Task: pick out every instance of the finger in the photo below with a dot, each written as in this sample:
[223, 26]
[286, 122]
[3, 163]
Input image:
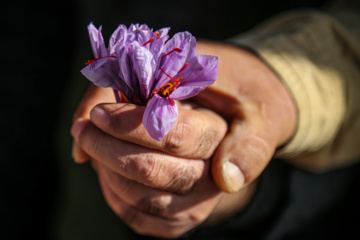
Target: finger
[147, 166]
[241, 157]
[143, 223]
[195, 134]
[148, 200]
[78, 154]
[162, 203]
[93, 96]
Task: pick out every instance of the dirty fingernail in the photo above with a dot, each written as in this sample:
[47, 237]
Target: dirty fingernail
[233, 176]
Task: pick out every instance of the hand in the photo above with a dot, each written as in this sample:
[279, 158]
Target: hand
[156, 193]
[177, 142]
[260, 112]
[256, 105]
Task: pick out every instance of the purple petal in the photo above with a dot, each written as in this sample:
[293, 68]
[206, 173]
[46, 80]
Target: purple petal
[117, 39]
[163, 32]
[186, 92]
[156, 48]
[173, 62]
[97, 41]
[140, 36]
[159, 117]
[196, 77]
[125, 68]
[133, 27]
[144, 27]
[100, 72]
[204, 75]
[192, 49]
[144, 67]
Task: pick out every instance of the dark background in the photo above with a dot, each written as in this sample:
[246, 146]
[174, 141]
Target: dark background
[43, 47]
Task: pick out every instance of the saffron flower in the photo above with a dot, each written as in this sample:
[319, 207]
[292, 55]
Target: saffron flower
[147, 68]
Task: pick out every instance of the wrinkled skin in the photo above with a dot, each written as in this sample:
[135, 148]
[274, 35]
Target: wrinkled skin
[171, 185]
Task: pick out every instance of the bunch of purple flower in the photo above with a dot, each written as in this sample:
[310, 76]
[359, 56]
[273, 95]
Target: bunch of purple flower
[145, 68]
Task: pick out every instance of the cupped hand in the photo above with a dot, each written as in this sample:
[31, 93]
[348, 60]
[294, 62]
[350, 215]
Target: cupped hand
[196, 134]
[261, 117]
[259, 110]
[114, 135]
[161, 188]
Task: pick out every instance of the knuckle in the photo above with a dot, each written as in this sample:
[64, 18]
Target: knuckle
[206, 143]
[120, 184]
[260, 147]
[114, 121]
[132, 218]
[183, 140]
[259, 154]
[156, 170]
[158, 206]
[175, 140]
[197, 218]
[182, 180]
[146, 167]
[95, 144]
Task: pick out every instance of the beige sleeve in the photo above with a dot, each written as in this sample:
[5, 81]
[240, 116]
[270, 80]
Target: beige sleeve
[318, 59]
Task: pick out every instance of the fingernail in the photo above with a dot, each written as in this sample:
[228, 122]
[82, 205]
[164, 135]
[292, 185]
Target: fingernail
[77, 127]
[233, 176]
[99, 116]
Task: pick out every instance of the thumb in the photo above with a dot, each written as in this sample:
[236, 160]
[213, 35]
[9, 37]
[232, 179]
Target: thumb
[241, 157]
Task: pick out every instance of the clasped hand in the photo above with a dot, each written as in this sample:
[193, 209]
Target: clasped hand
[166, 188]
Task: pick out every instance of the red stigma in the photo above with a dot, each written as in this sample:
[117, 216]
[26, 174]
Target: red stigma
[94, 60]
[185, 65]
[151, 40]
[171, 102]
[169, 75]
[174, 50]
[157, 35]
[168, 87]
[90, 61]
